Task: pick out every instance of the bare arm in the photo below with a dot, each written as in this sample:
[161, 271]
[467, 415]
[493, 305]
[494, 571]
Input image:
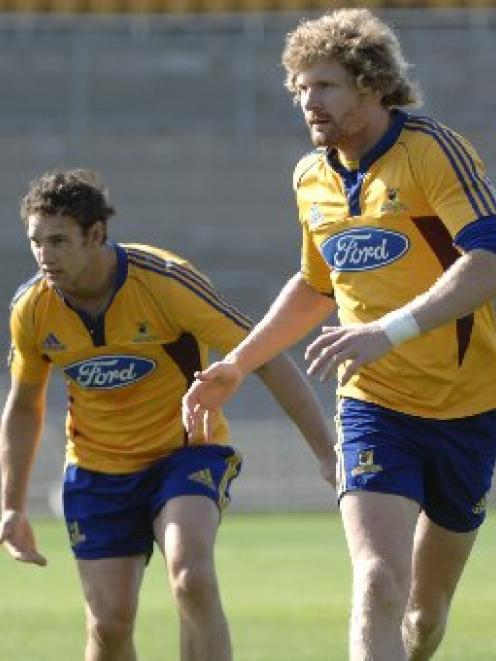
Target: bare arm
[298, 399]
[296, 310]
[465, 286]
[22, 423]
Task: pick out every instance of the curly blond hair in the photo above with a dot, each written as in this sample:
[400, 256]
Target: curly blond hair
[365, 46]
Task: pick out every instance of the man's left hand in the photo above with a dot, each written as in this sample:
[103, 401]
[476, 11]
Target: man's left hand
[353, 345]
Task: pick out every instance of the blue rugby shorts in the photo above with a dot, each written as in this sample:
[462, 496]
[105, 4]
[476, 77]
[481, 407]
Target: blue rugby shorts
[112, 515]
[444, 465]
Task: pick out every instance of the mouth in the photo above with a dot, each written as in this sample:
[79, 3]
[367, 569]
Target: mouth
[319, 124]
[318, 121]
[52, 274]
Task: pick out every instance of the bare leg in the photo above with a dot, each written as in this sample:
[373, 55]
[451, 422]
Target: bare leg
[379, 530]
[186, 529]
[438, 561]
[111, 588]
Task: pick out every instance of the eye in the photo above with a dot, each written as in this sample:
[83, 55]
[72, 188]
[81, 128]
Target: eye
[325, 84]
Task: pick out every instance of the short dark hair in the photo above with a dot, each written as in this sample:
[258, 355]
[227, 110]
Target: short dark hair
[77, 193]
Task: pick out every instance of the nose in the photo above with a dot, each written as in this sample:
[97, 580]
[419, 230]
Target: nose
[311, 99]
[43, 255]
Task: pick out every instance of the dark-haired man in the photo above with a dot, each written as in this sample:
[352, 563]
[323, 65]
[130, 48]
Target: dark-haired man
[128, 325]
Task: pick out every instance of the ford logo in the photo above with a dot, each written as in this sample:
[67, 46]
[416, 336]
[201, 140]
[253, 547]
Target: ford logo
[109, 372]
[364, 248]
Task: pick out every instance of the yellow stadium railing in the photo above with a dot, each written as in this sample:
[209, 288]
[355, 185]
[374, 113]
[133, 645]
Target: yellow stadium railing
[180, 6]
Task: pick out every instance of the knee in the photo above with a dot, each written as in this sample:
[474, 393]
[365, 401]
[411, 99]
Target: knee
[111, 627]
[381, 586]
[424, 628]
[193, 582]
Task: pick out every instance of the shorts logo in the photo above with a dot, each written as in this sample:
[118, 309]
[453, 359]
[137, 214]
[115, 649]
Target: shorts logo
[75, 535]
[480, 507]
[366, 464]
[204, 477]
[109, 372]
[364, 249]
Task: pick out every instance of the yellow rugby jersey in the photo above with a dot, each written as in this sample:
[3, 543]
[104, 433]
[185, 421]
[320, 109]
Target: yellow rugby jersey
[127, 371]
[380, 232]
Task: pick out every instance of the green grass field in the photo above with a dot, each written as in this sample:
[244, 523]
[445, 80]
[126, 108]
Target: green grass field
[285, 581]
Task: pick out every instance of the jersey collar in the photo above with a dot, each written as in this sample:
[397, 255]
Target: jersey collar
[380, 148]
[121, 255]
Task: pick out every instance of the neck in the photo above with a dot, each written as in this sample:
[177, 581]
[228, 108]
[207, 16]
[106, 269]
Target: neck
[354, 147]
[96, 289]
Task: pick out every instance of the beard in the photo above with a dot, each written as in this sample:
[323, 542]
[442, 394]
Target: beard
[325, 135]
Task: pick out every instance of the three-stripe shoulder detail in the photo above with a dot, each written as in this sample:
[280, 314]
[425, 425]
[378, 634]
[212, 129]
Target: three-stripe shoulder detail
[192, 280]
[305, 164]
[477, 188]
[25, 287]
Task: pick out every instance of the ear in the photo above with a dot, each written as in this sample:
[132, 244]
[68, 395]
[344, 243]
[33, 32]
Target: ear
[369, 96]
[96, 234]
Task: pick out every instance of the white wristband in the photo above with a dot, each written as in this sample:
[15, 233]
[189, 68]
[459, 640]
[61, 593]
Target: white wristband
[399, 326]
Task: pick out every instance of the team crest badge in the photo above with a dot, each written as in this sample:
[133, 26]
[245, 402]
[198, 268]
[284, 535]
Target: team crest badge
[144, 333]
[393, 204]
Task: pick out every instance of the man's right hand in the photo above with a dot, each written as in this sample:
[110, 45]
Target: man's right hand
[213, 388]
[17, 536]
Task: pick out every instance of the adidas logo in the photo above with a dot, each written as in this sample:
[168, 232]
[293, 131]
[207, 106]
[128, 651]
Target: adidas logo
[51, 343]
[204, 477]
